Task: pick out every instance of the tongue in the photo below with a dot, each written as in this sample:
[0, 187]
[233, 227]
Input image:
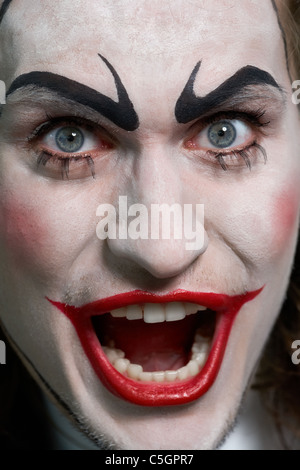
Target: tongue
[156, 346]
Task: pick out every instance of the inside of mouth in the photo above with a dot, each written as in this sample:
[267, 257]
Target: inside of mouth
[166, 346]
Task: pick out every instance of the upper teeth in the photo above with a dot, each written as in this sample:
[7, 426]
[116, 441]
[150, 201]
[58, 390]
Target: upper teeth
[157, 313]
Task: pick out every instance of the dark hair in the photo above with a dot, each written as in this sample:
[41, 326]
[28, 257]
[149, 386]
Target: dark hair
[278, 377]
[23, 422]
[22, 419]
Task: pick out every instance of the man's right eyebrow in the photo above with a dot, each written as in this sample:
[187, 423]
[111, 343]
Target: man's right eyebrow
[121, 113]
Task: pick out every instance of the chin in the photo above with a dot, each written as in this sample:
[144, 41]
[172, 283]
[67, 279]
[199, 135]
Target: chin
[192, 411]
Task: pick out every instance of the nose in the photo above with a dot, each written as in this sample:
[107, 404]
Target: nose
[157, 225]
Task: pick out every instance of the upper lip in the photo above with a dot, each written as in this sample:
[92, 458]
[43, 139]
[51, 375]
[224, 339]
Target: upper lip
[157, 394]
[213, 301]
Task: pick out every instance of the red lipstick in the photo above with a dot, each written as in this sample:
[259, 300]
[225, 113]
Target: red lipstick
[152, 393]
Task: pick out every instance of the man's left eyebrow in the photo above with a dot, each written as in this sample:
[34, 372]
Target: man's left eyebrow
[121, 113]
[190, 107]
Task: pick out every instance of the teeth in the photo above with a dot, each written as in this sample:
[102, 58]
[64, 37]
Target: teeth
[193, 367]
[175, 311]
[154, 313]
[121, 365]
[183, 373]
[134, 370]
[157, 313]
[192, 308]
[113, 354]
[158, 376]
[118, 313]
[134, 312]
[170, 375]
[146, 376]
[200, 350]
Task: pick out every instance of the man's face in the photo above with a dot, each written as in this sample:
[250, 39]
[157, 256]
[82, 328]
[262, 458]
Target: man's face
[66, 148]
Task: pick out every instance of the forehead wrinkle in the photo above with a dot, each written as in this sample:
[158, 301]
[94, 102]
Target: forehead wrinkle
[167, 52]
[173, 19]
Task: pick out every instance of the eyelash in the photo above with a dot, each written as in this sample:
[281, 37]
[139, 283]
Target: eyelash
[244, 154]
[44, 156]
[254, 118]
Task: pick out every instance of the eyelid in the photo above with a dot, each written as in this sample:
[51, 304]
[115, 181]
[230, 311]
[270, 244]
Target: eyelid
[254, 118]
[57, 122]
[78, 164]
[242, 151]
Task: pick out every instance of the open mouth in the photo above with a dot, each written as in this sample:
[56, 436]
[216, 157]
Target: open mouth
[156, 350]
[157, 342]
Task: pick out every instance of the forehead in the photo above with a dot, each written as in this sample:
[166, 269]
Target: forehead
[143, 39]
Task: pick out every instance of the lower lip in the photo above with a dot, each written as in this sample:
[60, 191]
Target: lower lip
[156, 394]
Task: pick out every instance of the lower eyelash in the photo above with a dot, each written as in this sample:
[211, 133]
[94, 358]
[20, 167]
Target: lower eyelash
[245, 154]
[90, 162]
[44, 157]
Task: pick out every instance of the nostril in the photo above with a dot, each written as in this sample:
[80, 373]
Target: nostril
[161, 258]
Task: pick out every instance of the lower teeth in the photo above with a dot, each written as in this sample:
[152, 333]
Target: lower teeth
[200, 350]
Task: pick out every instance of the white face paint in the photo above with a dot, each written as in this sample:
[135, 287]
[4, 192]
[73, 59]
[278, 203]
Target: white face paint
[49, 246]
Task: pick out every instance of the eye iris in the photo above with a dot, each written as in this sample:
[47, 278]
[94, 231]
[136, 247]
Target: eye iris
[222, 134]
[69, 139]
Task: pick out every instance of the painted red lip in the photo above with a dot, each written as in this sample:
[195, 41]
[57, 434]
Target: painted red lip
[156, 394]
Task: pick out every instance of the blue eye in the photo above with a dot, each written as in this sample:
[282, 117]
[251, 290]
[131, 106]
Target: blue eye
[228, 141]
[69, 139]
[63, 144]
[72, 139]
[222, 134]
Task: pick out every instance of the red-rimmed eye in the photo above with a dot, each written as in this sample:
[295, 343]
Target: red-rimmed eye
[221, 135]
[67, 147]
[71, 139]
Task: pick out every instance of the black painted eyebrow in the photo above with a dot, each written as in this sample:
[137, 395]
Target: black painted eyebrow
[4, 8]
[190, 107]
[121, 113]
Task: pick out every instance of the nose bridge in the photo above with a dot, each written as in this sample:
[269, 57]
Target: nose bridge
[156, 177]
[164, 235]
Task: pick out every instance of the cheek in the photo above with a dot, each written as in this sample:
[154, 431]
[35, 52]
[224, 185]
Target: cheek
[285, 216]
[22, 231]
[42, 239]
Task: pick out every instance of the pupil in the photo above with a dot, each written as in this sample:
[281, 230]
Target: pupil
[69, 139]
[222, 134]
